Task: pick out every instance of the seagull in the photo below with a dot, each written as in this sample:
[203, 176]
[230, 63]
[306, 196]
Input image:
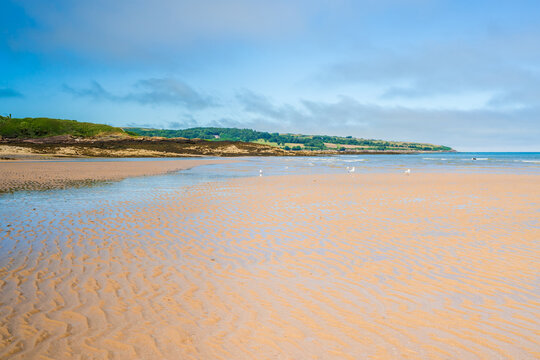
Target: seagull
[350, 170]
[260, 172]
[408, 172]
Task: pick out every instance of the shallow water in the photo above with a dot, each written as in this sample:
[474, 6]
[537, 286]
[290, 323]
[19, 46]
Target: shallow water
[51, 204]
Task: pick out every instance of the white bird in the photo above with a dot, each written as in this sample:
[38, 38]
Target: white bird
[351, 170]
[408, 172]
[260, 172]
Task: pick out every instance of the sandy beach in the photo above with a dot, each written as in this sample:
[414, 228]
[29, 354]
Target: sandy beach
[44, 175]
[350, 266]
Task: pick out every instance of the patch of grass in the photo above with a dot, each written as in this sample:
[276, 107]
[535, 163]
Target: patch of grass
[44, 127]
[265, 142]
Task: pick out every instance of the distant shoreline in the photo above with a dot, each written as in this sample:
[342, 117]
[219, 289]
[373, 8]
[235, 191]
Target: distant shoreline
[68, 147]
[70, 138]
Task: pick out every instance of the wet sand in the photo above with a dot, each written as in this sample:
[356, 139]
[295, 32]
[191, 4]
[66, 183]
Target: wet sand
[44, 175]
[378, 266]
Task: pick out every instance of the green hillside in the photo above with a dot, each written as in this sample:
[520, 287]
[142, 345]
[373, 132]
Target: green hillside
[14, 128]
[291, 141]
[44, 127]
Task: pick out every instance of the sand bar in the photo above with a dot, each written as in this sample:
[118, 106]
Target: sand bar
[378, 266]
[41, 175]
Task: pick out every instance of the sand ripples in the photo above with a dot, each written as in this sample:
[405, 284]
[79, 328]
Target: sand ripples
[336, 266]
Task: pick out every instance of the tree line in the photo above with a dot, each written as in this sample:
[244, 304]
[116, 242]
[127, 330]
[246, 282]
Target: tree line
[287, 141]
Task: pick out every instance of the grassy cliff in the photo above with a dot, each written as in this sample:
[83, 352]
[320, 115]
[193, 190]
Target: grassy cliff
[14, 128]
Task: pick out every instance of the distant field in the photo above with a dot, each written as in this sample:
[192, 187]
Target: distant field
[265, 142]
[335, 146]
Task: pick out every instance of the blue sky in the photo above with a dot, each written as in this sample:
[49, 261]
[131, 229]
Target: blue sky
[460, 73]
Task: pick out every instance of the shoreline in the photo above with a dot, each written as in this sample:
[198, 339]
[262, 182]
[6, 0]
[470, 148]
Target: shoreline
[52, 174]
[58, 173]
[156, 148]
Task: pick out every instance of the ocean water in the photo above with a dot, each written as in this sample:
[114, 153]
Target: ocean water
[447, 162]
[142, 189]
[148, 186]
[15, 207]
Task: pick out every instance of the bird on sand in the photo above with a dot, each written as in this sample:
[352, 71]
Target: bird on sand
[260, 172]
[408, 172]
[350, 170]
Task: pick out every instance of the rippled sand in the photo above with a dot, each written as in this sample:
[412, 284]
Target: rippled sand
[379, 266]
[43, 175]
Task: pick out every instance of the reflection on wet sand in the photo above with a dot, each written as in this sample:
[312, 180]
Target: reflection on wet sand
[44, 175]
[352, 266]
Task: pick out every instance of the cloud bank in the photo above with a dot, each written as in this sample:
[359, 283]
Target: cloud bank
[505, 66]
[508, 129]
[164, 91]
[460, 73]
